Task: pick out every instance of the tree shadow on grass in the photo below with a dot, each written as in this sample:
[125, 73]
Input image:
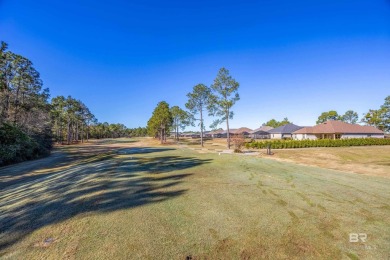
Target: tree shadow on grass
[113, 183]
[61, 159]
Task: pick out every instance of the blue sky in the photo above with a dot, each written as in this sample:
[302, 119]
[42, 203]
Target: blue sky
[292, 59]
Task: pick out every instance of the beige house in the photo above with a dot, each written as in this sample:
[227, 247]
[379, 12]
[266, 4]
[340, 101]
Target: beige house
[334, 129]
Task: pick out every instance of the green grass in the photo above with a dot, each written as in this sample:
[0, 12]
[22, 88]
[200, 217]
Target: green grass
[170, 203]
[114, 141]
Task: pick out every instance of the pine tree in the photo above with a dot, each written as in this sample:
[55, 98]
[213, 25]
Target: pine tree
[224, 97]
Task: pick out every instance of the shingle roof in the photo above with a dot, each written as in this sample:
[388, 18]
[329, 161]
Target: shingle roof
[231, 131]
[335, 126]
[190, 133]
[219, 131]
[285, 129]
[261, 129]
[305, 130]
[241, 130]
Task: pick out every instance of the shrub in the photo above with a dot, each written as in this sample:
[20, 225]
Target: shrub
[282, 144]
[17, 146]
[238, 142]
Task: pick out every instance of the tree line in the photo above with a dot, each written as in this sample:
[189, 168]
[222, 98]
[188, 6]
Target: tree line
[29, 122]
[379, 118]
[350, 117]
[106, 130]
[73, 122]
[216, 100]
[25, 121]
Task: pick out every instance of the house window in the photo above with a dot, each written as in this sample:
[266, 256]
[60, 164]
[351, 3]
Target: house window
[338, 136]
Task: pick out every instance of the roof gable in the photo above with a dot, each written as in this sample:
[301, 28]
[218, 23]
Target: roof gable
[243, 130]
[261, 129]
[285, 129]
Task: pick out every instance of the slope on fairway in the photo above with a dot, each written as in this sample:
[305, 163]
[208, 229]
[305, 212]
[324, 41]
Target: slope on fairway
[136, 201]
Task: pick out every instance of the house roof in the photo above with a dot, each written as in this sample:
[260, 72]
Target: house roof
[305, 130]
[190, 133]
[285, 129]
[335, 126]
[241, 130]
[219, 131]
[231, 131]
[261, 129]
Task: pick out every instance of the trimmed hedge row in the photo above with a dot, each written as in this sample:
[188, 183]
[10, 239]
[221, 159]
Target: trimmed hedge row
[282, 144]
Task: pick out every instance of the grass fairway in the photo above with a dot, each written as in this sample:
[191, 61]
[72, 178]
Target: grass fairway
[139, 200]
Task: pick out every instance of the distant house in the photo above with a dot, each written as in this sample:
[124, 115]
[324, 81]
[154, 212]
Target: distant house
[283, 132]
[186, 134]
[334, 129]
[261, 132]
[231, 132]
[190, 135]
[215, 133]
[234, 131]
[245, 131]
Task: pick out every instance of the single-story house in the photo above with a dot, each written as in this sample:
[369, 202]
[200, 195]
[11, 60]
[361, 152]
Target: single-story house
[207, 134]
[245, 131]
[236, 131]
[190, 135]
[334, 129]
[283, 132]
[231, 132]
[261, 132]
[215, 133]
